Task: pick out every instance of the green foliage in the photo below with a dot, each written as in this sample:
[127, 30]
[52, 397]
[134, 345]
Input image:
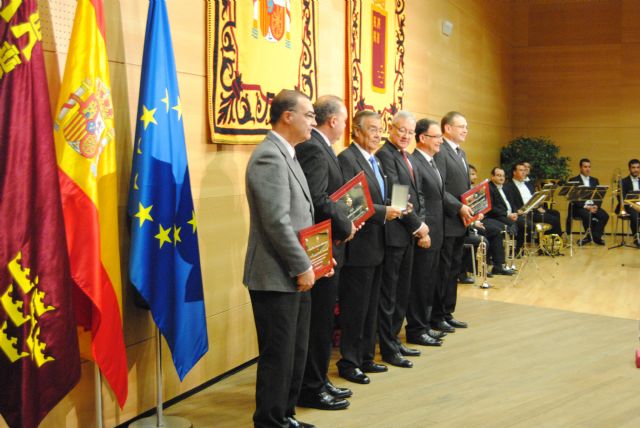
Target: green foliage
[541, 152]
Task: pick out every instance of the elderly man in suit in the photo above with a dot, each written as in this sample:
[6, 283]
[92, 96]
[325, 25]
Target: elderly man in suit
[359, 288]
[278, 271]
[452, 163]
[400, 237]
[425, 276]
[324, 175]
[591, 213]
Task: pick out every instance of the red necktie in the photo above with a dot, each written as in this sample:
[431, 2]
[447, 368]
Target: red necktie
[406, 160]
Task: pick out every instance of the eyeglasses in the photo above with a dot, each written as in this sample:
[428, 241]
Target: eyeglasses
[405, 131]
[461, 126]
[371, 129]
[308, 115]
[437, 137]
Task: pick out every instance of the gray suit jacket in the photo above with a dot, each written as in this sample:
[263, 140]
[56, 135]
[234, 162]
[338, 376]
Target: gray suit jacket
[279, 206]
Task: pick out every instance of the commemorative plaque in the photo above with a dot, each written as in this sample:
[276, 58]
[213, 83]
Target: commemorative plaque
[478, 199]
[316, 241]
[355, 195]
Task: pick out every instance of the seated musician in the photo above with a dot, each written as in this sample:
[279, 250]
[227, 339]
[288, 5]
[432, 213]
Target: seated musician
[519, 191]
[501, 209]
[631, 183]
[590, 212]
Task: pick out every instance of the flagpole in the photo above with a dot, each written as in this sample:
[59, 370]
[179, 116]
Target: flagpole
[98, 386]
[160, 420]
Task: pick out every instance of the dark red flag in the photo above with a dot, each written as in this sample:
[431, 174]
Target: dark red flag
[39, 357]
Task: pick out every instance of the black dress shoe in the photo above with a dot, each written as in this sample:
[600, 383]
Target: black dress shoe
[466, 280]
[436, 334]
[443, 326]
[598, 241]
[354, 375]
[373, 367]
[337, 392]
[584, 241]
[409, 352]
[294, 423]
[399, 361]
[424, 340]
[457, 324]
[500, 270]
[323, 401]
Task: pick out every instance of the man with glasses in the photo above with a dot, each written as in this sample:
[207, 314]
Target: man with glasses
[399, 242]
[359, 288]
[453, 166]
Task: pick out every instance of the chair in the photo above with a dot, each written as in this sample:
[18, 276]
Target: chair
[622, 220]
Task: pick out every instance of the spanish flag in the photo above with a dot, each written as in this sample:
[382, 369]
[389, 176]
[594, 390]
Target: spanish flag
[86, 154]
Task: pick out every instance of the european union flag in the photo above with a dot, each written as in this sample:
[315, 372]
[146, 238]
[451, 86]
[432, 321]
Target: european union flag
[164, 263]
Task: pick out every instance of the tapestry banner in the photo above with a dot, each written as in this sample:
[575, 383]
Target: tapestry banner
[255, 49]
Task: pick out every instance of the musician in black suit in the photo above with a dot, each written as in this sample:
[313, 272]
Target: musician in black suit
[519, 191]
[359, 288]
[324, 176]
[501, 209]
[591, 213]
[631, 183]
[425, 276]
[453, 166]
[399, 242]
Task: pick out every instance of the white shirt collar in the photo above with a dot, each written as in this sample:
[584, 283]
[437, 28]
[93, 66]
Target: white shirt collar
[585, 179]
[426, 156]
[289, 147]
[451, 144]
[365, 153]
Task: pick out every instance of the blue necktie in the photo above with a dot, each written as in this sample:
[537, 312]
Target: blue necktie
[376, 171]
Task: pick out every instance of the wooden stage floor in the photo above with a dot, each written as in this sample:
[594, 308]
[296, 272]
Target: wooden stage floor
[552, 348]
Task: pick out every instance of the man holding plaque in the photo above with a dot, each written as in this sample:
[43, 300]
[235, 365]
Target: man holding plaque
[278, 271]
[454, 169]
[359, 288]
[324, 175]
[399, 241]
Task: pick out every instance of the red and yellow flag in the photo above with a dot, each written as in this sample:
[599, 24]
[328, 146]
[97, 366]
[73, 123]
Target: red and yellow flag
[86, 151]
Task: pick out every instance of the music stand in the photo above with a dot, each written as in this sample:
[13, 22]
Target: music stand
[580, 194]
[536, 200]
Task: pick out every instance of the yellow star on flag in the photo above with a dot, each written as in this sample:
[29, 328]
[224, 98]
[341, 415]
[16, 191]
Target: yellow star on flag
[176, 234]
[135, 182]
[166, 99]
[139, 150]
[192, 222]
[163, 235]
[178, 108]
[147, 116]
[143, 213]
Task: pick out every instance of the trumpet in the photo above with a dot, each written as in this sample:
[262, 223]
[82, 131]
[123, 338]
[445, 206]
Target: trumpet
[616, 193]
[481, 262]
[509, 244]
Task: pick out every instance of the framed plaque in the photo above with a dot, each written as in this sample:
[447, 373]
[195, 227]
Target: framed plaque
[400, 196]
[316, 241]
[355, 195]
[478, 199]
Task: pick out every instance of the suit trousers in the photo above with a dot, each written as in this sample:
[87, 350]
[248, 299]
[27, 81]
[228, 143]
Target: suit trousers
[323, 300]
[394, 296]
[359, 292]
[424, 279]
[282, 324]
[598, 220]
[450, 265]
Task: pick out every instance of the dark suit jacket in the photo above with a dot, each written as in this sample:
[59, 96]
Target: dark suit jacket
[627, 186]
[434, 199]
[456, 182]
[498, 207]
[279, 207]
[400, 233]
[513, 194]
[324, 176]
[592, 183]
[367, 247]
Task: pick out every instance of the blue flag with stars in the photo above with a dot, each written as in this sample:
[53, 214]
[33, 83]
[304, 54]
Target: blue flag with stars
[164, 263]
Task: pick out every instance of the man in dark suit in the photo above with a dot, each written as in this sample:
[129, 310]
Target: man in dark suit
[519, 191]
[501, 209]
[631, 183]
[425, 276]
[277, 270]
[453, 166]
[399, 242]
[324, 175]
[359, 288]
[591, 213]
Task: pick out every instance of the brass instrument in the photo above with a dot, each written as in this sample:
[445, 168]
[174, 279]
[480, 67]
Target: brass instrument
[616, 193]
[481, 264]
[509, 244]
[541, 228]
[552, 244]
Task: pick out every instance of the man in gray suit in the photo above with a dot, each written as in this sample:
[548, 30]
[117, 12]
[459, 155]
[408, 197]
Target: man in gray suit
[277, 270]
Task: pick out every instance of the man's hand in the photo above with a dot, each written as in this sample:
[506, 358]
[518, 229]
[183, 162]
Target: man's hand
[409, 209]
[393, 213]
[422, 231]
[332, 271]
[513, 216]
[305, 280]
[353, 232]
[424, 242]
[592, 208]
[478, 224]
[465, 213]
